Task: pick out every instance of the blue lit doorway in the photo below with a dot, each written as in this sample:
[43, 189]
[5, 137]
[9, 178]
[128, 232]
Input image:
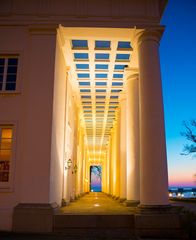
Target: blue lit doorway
[95, 178]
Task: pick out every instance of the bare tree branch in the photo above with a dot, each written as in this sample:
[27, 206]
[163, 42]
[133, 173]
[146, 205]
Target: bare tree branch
[190, 135]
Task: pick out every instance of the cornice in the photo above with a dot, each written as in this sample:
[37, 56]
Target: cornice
[82, 13]
[39, 29]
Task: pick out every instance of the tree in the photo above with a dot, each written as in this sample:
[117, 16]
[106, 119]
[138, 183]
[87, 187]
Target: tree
[190, 134]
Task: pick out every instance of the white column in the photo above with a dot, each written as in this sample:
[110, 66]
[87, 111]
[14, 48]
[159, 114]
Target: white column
[132, 116]
[117, 160]
[154, 177]
[123, 159]
[108, 166]
[114, 182]
[111, 160]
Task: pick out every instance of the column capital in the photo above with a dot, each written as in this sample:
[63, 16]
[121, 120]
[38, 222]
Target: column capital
[67, 68]
[153, 34]
[122, 96]
[44, 29]
[131, 74]
[112, 129]
[114, 124]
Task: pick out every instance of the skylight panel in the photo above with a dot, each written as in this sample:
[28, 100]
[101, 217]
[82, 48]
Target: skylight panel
[86, 102]
[101, 56]
[101, 66]
[110, 120]
[117, 83]
[85, 90]
[84, 83]
[83, 75]
[82, 66]
[86, 96]
[102, 44]
[99, 120]
[87, 111]
[100, 102]
[99, 111]
[122, 57]
[117, 75]
[87, 107]
[101, 75]
[119, 67]
[100, 97]
[101, 83]
[124, 45]
[116, 90]
[100, 90]
[113, 97]
[100, 107]
[77, 44]
[80, 56]
[113, 102]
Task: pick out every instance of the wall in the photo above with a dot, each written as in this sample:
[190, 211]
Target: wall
[30, 110]
[38, 94]
[12, 110]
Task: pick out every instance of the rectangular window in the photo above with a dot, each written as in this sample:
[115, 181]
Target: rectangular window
[6, 150]
[8, 72]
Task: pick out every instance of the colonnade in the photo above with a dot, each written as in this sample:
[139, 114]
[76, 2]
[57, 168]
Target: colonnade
[141, 175]
[135, 164]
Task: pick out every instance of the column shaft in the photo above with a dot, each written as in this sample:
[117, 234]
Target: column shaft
[114, 160]
[123, 172]
[108, 167]
[111, 162]
[132, 115]
[154, 182]
[117, 190]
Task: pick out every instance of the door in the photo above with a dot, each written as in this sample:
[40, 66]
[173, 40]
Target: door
[95, 178]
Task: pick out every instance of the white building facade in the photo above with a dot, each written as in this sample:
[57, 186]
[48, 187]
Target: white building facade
[80, 85]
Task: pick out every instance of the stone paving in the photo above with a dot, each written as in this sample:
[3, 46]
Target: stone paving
[96, 203]
[90, 204]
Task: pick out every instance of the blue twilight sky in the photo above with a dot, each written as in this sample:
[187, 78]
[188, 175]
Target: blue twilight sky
[178, 64]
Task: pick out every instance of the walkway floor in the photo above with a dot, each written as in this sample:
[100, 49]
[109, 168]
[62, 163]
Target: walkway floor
[90, 204]
[96, 203]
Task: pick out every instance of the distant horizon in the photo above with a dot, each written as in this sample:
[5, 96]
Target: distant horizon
[181, 186]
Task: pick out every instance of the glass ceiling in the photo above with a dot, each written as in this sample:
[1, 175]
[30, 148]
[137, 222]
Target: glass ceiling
[98, 67]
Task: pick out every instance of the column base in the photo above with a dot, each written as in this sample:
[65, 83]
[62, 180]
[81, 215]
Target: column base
[116, 198]
[121, 200]
[156, 225]
[34, 217]
[131, 203]
[65, 202]
[158, 209]
[156, 221]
